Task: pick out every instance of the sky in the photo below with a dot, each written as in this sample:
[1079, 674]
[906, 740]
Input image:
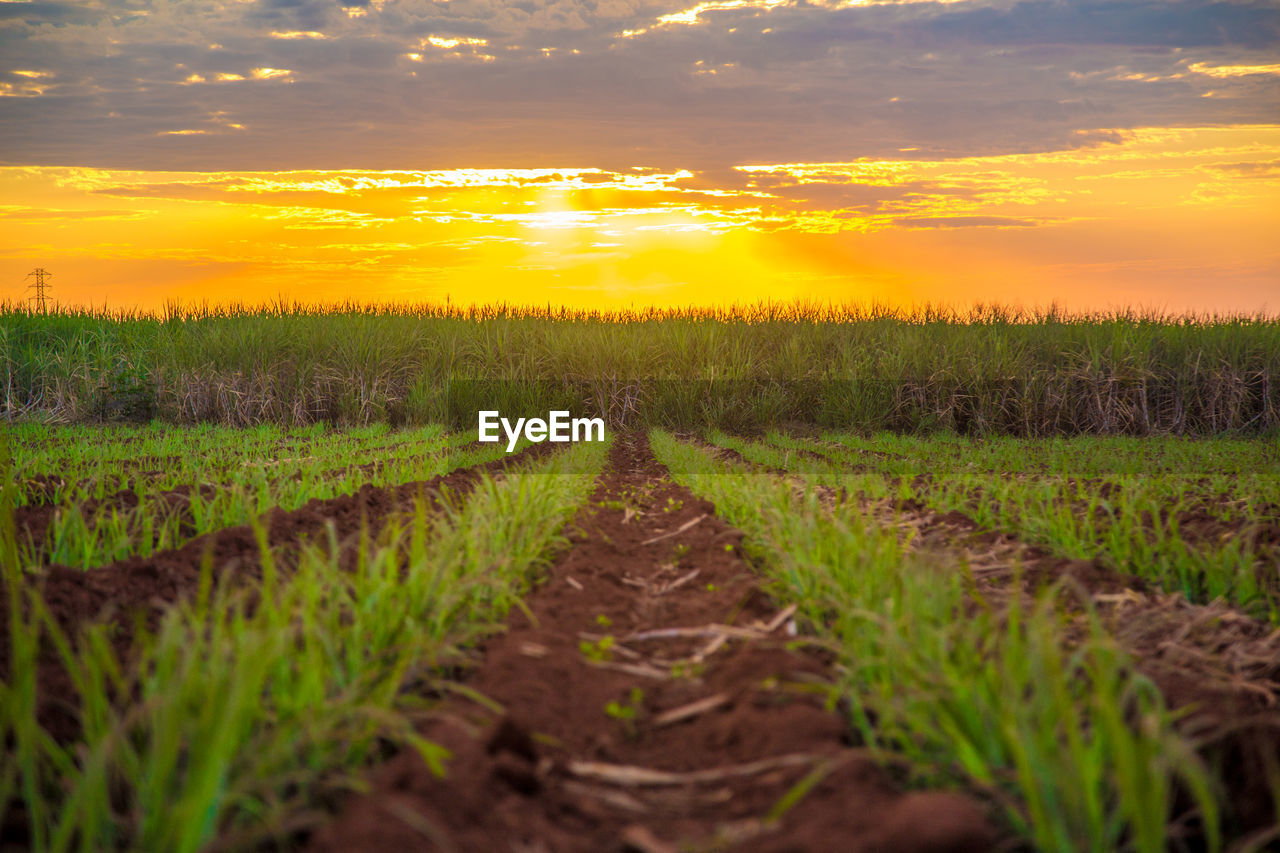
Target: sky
[1094, 154]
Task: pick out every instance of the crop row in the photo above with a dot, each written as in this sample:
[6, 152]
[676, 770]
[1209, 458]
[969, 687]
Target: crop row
[84, 502]
[251, 703]
[1200, 517]
[998, 692]
[64, 464]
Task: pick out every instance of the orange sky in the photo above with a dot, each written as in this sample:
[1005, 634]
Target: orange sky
[1022, 208]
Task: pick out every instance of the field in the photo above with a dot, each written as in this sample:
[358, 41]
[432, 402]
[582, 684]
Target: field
[999, 582]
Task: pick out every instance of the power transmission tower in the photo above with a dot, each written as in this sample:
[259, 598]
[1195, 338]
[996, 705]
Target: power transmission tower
[41, 297]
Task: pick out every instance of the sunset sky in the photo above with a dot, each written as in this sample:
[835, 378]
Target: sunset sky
[603, 153]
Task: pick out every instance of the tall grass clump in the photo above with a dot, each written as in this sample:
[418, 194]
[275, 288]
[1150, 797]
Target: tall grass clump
[988, 371]
[1051, 719]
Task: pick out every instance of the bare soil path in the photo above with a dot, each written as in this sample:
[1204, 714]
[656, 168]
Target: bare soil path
[648, 701]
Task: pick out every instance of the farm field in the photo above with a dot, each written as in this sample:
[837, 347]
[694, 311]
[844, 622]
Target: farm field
[721, 426]
[336, 639]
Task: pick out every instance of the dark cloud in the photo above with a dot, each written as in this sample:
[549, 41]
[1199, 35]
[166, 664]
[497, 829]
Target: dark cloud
[1144, 22]
[302, 83]
[293, 14]
[51, 13]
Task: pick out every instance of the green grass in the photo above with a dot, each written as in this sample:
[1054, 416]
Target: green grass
[991, 371]
[1193, 516]
[236, 722]
[230, 476]
[1053, 721]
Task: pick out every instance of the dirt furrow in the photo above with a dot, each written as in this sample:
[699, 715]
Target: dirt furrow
[143, 586]
[32, 521]
[649, 699]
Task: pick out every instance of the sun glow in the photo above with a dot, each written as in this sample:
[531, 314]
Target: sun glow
[1092, 221]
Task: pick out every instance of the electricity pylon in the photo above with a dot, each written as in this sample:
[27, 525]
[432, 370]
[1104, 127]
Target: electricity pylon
[41, 297]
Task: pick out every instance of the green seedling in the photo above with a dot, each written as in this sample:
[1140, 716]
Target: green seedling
[598, 651]
[687, 669]
[627, 713]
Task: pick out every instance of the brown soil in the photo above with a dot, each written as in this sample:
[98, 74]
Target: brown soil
[1204, 521]
[1210, 518]
[121, 591]
[41, 488]
[126, 473]
[41, 511]
[845, 449]
[33, 521]
[1219, 667]
[730, 455]
[129, 473]
[1259, 536]
[649, 700]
